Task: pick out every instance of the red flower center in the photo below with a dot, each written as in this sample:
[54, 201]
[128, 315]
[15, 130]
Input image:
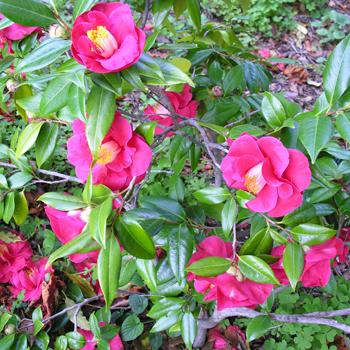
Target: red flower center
[254, 180]
[104, 42]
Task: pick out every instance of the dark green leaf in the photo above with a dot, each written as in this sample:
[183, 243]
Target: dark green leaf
[228, 216]
[82, 6]
[46, 142]
[62, 201]
[312, 234]
[27, 138]
[257, 327]
[131, 328]
[212, 195]
[195, 12]
[209, 267]
[273, 111]
[293, 262]
[260, 243]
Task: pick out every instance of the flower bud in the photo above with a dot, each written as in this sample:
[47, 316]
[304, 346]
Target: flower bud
[56, 31]
[217, 91]
[11, 85]
[9, 329]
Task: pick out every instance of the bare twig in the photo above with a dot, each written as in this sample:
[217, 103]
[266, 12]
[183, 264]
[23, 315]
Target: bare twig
[145, 13]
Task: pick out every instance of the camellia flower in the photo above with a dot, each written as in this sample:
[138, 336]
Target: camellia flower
[276, 175]
[106, 39]
[114, 344]
[16, 31]
[182, 104]
[13, 258]
[67, 225]
[317, 262]
[228, 289]
[226, 339]
[30, 280]
[123, 155]
[265, 53]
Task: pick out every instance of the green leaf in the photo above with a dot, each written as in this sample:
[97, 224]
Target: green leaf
[314, 133]
[179, 7]
[253, 130]
[146, 270]
[172, 74]
[100, 109]
[76, 102]
[257, 327]
[9, 208]
[260, 243]
[21, 342]
[108, 269]
[46, 142]
[195, 12]
[272, 110]
[148, 67]
[134, 238]
[62, 201]
[27, 138]
[37, 317]
[256, 269]
[146, 130]
[98, 221]
[221, 112]
[19, 179]
[234, 79]
[209, 267]
[61, 343]
[4, 23]
[48, 52]
[4, 318]
[21, 208]
[131, 75]
[82, 243]
[138, 303]
[94, 326]
[342, 123]
[336, 75]
[188, 329]
[110, 81]
[165, 306]
[27, 12]
[7, 341]
[277, 237]
[82, 6]
[165, 322]
[293, 262]
[100, 193]
[180, 242]
[55, 96]
[131, 328]
[87, 192]
[75, 340]
[228, 216]
[303, 214]
[312, 234]
[212, 195]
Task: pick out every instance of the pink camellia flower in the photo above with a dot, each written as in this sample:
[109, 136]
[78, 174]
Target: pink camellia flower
[30, 280]
[182, 104]
[16, 31]
[123, 155]
[317, 262]
[265, 53]
[228, 289]
[276, 175]
[114, 344]
[67, 225]
[106, 39]
[13, 258]
[226, 339]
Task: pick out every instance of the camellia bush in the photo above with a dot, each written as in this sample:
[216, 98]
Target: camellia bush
[153, 190]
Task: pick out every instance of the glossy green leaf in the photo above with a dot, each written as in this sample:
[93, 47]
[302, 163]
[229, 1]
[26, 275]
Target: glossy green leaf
[194, 10]
[76, 102]
[27, 138]
[209, 267]
[257, 327]
[212, 195]
[228, 216]
[342, 124]
[98, 221]
[260, 243]
[131, 328]
[146, 270]
[62, 201]
[75, 340]
[256, 269]
[100, 109]
[46, 142]
[293, 262]
[336, 75]
[188, 329]
[272, 110]
[27, 12]
[82, 6]
[134, 238]
[9, 208]
[21, 208]
[7, 341]
[312, 234]
[180, 243]
[172, 74]
[108, 269]
[37, 317]
[314, 133]
[48, 52]
[146, 130]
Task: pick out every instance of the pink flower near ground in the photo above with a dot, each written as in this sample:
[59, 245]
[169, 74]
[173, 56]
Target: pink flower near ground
[226, 339]
[123, 155]
[265, 53]
[276, 175]
[317, 262]
[13, 258]
[106, 39]
[182, 104]
[67, 225]
[226, 289]
[115, 343]
[30, 280]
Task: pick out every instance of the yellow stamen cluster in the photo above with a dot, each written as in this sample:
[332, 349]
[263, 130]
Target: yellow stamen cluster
[251, 182]
[105, 155]
[98, 35]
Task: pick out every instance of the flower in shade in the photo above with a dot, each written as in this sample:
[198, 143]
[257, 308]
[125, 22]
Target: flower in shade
[227, 289]
[106, 39]
[226, 339]
[30, 280]
[123, 155]
[114, 344]
[14, 257]
[182, 104]
[276, 175]
[317, 262]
